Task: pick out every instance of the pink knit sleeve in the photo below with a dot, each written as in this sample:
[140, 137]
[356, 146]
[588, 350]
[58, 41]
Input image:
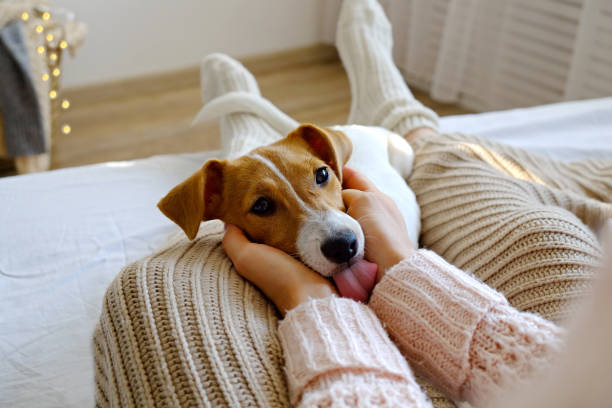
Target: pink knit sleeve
[457, 331]
[337, 354]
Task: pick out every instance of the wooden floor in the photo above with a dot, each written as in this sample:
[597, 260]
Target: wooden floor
[152, 115]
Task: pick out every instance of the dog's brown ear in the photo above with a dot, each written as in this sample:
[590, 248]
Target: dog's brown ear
[332, 146]
[196, 199]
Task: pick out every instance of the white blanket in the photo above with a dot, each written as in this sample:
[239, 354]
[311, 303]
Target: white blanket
[65, 234]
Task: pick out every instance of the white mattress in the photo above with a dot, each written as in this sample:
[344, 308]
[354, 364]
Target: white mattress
[65, 234]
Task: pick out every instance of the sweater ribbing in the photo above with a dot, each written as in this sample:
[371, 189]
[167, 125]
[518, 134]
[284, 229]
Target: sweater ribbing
[513, 219]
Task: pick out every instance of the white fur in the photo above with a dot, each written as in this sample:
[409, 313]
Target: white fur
[319, 227]
[386, 159]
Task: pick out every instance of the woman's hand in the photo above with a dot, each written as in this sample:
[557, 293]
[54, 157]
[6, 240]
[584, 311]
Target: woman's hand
[386, 238]
[286, 281]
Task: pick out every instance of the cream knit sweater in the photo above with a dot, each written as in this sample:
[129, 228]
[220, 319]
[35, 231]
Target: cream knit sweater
[181, 328]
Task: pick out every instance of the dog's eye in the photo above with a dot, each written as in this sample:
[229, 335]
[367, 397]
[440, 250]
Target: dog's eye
[263, 206]
[321, 176]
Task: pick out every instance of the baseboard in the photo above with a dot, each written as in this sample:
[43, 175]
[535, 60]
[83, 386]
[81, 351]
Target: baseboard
[189, 77]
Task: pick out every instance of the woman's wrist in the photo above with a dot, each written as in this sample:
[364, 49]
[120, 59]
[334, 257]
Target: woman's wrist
[393, 257]
[302, 293]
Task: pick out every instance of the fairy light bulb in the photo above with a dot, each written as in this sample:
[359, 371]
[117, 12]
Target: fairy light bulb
[49, 37]
[56, 72]
[39, 29]
[63, 44]
[40, 49]
[65, 104]
[53, 57]
[46, 16]
[45, 77]
[25, 16]
[66, 129]
[53, 94]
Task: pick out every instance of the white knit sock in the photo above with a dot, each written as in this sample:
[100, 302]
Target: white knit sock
[240, 132]
[380, 95]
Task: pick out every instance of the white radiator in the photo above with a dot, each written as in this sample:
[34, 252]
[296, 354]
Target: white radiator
[498, 54]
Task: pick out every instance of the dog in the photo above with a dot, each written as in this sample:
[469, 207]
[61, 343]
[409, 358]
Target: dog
[289, 195]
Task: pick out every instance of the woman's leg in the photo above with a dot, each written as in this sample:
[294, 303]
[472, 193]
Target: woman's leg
[504, 215]
[182, 328]
[380, 96]
[240, 132]
[517, 235]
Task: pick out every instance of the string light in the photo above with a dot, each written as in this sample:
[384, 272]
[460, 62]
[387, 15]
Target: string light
[25, 16]
[52, 58]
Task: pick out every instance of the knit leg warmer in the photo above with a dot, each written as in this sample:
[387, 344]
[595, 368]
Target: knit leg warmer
[240, 132]
[380, 96]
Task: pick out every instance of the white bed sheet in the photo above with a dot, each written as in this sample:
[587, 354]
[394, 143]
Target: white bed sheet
[65, 234]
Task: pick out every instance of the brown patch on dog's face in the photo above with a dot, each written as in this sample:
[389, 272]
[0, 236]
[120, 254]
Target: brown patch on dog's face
[292, 195]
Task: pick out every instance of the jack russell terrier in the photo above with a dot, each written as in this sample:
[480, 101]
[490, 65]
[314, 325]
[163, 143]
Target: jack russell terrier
[288, 195]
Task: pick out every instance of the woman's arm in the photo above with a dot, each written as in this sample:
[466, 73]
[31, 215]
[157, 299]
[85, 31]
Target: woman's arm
[459, 332]
[338, 354]
[453, 328]
[336, 351]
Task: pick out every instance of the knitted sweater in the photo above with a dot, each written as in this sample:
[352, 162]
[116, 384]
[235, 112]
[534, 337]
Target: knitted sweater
[517, 221]
[452, 328]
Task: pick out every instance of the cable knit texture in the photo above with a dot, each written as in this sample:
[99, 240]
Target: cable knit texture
[330, 341]
[513, 219]
[457, 331]
[508, 347]
[181, 328]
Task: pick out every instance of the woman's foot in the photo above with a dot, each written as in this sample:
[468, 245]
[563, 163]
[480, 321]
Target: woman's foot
[240, 132]
[380, 95]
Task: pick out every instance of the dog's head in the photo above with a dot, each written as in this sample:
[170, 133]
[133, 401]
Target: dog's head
[287, 195]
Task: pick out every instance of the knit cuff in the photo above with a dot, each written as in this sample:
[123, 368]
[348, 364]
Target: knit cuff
[508, 347]
[329, 336]
[349, 389]
[403, 115]
[432, 309]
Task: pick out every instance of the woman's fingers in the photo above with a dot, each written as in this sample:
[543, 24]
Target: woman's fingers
[234, 242]
[353, 179]
[284, 279]
[349, 196]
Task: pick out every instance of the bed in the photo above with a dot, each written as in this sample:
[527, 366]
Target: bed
[65, 234]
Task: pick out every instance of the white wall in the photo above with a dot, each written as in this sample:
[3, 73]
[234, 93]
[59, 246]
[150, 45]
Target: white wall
[132, 37]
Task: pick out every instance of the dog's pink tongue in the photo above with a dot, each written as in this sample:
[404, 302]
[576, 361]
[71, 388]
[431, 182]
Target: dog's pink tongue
[356, 281]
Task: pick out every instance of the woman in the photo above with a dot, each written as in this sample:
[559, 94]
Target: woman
[454, 329]
[179, 328]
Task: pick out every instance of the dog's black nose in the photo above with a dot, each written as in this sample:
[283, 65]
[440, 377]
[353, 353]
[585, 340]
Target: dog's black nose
[341, 247]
